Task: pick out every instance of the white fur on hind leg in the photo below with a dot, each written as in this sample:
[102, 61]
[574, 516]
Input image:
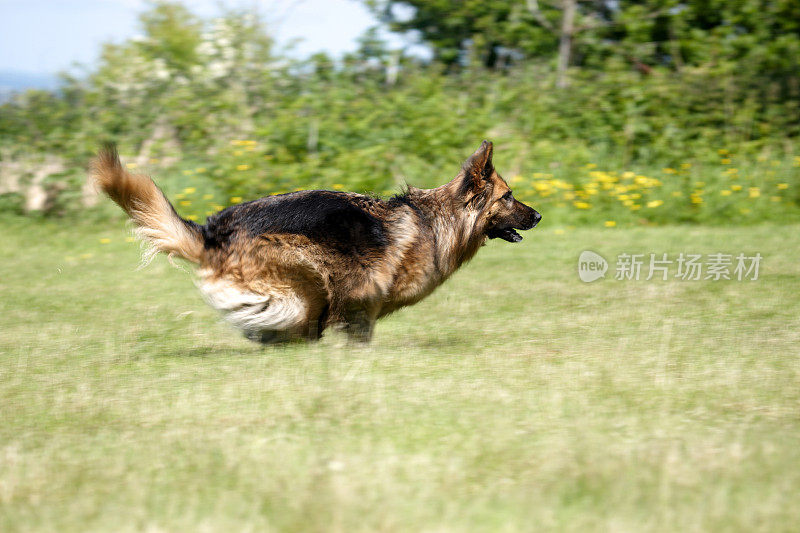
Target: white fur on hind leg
[249, 311]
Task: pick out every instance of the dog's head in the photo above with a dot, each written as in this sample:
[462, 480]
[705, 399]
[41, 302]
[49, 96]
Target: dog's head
[486, 192]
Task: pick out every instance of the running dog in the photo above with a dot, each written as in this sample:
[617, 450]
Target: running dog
[287, 266]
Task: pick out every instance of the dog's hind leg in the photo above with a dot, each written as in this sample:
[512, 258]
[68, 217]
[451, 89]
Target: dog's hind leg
[267, 336]
[269, 290]
[270, 316]
[360, 323]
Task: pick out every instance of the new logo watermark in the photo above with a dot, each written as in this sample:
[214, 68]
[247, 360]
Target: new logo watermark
[686, 267]
[591, 266]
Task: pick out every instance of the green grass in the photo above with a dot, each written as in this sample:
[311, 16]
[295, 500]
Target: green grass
[514, 398]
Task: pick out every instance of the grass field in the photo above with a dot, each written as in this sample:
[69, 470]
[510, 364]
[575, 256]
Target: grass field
[514, 398]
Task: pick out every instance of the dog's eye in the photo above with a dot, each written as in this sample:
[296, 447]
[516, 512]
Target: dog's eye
[508, 197]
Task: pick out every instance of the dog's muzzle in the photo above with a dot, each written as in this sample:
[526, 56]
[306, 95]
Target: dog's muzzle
[509, 234]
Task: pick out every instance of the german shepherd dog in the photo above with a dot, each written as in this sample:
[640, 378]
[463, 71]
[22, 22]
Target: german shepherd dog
[287, 266]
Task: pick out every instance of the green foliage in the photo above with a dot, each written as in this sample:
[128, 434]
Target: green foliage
[479, 30]
[759, 37]
[213, 95]
[173, 36]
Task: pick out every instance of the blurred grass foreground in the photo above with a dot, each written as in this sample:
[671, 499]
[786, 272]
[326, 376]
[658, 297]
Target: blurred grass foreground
[532, 402]
[516, 397]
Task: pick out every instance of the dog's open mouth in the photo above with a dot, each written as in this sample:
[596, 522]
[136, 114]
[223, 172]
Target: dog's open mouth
[507, 234]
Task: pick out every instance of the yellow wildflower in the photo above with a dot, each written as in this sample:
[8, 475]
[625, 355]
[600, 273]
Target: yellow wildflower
[582, 205]
[189, 190]
[754, 192]
[783, 186]
[131, 165]
[655, 203]
[185, 203]
[236, 199]
[610, 223]
[192, 217]
[242, 167]
[644, 181]
[726, 161]
[736, 187]
[338, 186]
[686, 166]
[105, 240]
[725, 192]
[668, 170]
[200, 170]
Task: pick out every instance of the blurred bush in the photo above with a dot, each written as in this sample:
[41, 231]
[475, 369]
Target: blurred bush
[219, 116]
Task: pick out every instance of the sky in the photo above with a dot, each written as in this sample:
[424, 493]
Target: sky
[48, 36]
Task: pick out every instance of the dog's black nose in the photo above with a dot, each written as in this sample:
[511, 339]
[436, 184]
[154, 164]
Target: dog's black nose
[536, 217]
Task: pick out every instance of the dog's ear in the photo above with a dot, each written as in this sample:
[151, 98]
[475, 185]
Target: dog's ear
[478, 168]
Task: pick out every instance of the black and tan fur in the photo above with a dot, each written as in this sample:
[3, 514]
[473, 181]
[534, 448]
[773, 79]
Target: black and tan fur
[290, 265]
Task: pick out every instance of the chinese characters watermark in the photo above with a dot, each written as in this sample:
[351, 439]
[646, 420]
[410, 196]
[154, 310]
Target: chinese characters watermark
[683, 266]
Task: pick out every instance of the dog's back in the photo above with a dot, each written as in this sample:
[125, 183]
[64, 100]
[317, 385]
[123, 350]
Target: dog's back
[346, 222]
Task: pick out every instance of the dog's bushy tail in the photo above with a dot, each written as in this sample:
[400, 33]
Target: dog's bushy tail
[156, 221]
